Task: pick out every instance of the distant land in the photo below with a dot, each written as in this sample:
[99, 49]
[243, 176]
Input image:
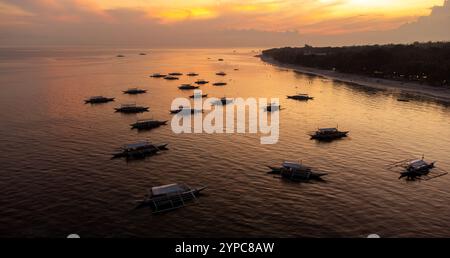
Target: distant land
[422, 68]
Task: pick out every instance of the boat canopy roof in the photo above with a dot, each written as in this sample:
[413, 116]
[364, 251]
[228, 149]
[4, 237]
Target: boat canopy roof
[326, 130]
[146, 121]
[128, 105]
[294, 165]
[169, 189]
[418, 163]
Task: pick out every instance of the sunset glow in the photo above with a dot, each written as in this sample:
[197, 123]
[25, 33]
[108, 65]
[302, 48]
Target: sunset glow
[294, 14]
[305, 17]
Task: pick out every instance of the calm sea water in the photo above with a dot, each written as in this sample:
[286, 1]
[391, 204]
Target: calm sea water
[56, 176]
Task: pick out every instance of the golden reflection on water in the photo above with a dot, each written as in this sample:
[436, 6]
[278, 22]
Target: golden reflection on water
[59, 149]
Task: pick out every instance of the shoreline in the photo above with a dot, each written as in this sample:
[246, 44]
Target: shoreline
[396, 87]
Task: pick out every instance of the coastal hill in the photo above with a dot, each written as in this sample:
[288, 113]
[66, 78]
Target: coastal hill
[427, 63]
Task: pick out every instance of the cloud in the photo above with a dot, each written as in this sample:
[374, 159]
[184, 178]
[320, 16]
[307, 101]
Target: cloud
[131, 27]
[206, 23]
[433, 27]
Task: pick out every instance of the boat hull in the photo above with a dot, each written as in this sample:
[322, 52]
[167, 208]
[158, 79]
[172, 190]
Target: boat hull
[141, 153]
[101, 101]
[135, 92]
[148, 126]
[300, 98]
[132, 111]
[296, 175]
[329, 137]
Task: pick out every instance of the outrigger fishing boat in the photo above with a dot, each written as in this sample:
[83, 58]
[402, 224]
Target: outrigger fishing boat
[131, 108]
[223, 101]
[134, 91]
[147, 124]
[220, 84]
[413, 169]
[221, 73]
[184, 110]
[158, 75]
[202, 82]
[328, 134]
[98, 100]
[171, 78]
[303, 97]
[295, 171]
[273, 107]
[175, 74]
[198, 96]
[170, 197]
[192, 74]
[188, 87]
[139, 150]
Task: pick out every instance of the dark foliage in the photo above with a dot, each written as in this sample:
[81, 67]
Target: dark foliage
[427, 63]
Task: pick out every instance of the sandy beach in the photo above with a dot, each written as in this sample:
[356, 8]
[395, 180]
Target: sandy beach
[412, 90]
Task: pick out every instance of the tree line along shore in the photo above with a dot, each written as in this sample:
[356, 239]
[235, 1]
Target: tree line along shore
[424, 63]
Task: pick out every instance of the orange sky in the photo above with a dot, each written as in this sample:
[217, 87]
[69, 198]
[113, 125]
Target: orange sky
[310, 17]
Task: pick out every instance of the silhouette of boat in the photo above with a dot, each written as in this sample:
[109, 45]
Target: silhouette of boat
[184, 110]
[413, 169]
[192, 74]
[147, 124]
[98, 100]
[221, 73]
[202, 82]
[142, 54]
[220, 84]
[175, 74]
[223, 101]
[273, 107]
[328, 134]
[171, 78]
[188, 87]
[295, 171]
[120, 56]
[139, 150]
[170, 197]
[198, 96]
[134, 91]
[131, 108]
[158, 75]
[304, 97]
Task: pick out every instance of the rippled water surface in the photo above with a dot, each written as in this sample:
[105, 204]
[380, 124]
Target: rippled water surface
[56, 176]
